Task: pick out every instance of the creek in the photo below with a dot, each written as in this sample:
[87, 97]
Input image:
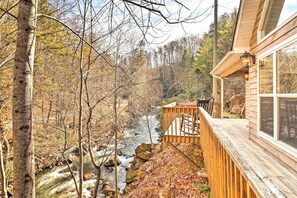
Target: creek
[57, 183]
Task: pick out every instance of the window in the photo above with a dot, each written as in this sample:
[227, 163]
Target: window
[266, 115]
[278, 11]
[288, 120]
[286, 66]
[278, 94]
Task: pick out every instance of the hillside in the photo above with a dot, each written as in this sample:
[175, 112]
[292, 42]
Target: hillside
[169, 175]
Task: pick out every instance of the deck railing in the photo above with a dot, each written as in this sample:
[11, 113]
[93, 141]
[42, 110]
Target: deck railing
[226, 177]
[176, 126]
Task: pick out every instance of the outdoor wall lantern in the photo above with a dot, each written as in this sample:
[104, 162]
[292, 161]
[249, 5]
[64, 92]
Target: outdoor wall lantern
[247, 59]
[246, 76]
[246, 73]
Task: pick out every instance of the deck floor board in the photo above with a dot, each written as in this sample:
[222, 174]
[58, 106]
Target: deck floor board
[280, 179]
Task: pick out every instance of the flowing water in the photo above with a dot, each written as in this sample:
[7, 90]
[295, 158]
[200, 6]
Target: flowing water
[57, 183]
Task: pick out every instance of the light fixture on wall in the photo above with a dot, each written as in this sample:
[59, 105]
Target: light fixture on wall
[247, 59]
[246, 74]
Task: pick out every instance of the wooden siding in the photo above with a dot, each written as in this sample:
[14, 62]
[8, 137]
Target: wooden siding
[253, 42]
[288, 30]
[251, 95]
[282, 156]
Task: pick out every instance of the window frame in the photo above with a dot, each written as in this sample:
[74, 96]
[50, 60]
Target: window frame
[261, 38]
[275, 139]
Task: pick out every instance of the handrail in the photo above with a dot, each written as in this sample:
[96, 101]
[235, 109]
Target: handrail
[228, 172]
[173, 104]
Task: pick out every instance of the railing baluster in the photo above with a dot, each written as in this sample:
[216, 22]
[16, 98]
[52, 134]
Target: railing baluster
[192, 125]
[168, 128]
[225, 178]
[175, 124]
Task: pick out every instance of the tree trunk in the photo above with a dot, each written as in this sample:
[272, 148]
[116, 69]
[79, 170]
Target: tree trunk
[23, 148]
[115, 129]
[49, 112]
[2, 173]
[80, 105]
[149, 127]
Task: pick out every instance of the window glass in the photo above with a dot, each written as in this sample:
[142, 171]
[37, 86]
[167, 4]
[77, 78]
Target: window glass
[286, 66]
[266, 75]
[278, 11]
[289, 8]
[288, 120]
[266, 115]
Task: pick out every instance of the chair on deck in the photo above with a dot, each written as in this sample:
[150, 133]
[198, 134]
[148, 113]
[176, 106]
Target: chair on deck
[291, 108]
[194, 121]
[206, 104]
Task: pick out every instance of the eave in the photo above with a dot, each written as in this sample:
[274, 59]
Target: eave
[228, 65]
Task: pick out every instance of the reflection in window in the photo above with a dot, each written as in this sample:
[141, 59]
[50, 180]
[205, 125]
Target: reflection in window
[286, 63]
[266, 115]
[288, 120]
[266, 75]
[278, 11]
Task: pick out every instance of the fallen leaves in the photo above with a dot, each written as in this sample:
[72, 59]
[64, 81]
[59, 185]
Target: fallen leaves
[169, 176]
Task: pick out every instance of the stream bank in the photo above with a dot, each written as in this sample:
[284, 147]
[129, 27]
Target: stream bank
[57, 183]
[167, 174]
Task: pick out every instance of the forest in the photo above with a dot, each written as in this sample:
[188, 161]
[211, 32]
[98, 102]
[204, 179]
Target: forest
[76, 75]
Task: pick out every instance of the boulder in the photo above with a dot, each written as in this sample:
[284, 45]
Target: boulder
[101, 147]
[110, 162]
[236, 103]
[87, 176]
[146, 155]
[108, 190]
[135, 175]
[144, 147]
[130, 188]
[10, 190]
[75, 150]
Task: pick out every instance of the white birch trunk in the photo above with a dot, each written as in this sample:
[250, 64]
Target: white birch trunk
[23, 148]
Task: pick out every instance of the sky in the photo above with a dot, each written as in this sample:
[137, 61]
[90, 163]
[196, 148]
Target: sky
[289, 8]
[205, 9]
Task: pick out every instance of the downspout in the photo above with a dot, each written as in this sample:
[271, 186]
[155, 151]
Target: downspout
[222, 92]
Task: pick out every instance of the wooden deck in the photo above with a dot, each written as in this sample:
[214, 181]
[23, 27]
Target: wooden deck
[238, 167]
[176, 130]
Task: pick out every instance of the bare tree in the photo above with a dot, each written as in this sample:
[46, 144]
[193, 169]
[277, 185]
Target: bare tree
[138, 13]
[23, 150]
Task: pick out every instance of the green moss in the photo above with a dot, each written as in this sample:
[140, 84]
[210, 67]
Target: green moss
[130, 180]
[202, 187]
[231, 115]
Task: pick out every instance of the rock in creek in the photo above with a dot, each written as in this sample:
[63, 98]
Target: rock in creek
[144, 147]
[135, 175]
[134, 172]
[110, 162]
[108, 190]
[146, 155]
[87, 176]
